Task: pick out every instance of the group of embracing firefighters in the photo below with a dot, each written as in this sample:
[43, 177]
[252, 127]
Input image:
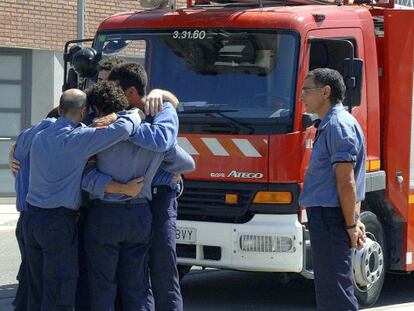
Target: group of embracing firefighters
[96, 185]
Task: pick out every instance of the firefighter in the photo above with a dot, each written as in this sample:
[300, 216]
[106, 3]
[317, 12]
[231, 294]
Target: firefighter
[333, 187]
[163, 266]
[20, 169]
[106, 65]
[57, 158]
[118, 229]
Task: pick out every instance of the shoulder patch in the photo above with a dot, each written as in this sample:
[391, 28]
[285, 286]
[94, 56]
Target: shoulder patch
[100, 127]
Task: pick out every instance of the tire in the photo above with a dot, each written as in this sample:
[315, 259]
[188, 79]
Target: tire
[368, 295]
[182, 271]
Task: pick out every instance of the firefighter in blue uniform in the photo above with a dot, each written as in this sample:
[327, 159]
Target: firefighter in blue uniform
[58, 156]
[334, 186]
[21, 152]
[118, 229]
[164, 126]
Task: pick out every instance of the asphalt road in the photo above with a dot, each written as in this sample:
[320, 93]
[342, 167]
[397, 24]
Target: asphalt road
[216, 290]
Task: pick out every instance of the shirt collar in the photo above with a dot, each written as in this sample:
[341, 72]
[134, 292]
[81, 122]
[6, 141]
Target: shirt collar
[333, 110]
[65, 122]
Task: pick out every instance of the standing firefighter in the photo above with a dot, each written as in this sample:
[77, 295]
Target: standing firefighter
[334, 186]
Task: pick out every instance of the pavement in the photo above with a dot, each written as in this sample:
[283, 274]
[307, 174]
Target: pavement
[212, 289]
[8, 216]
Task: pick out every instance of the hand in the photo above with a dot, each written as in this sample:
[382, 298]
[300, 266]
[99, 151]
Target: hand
[105, 121]
[176, 178]
[13, 163]
[154, 102]
[133, 187]
[362, 237]
[356, 236]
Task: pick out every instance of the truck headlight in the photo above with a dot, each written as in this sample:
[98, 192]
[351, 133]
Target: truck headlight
[266, 243]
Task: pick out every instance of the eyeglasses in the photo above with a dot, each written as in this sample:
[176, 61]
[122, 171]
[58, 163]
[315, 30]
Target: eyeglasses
[305, 90]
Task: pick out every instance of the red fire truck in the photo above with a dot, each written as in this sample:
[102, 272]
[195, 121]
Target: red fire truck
[238, 68]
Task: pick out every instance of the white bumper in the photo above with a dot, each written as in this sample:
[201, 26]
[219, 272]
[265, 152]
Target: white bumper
[228, 238]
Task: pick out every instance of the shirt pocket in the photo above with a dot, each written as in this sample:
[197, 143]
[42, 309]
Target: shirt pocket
[319, 164]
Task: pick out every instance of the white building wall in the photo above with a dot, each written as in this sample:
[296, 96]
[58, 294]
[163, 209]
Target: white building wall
[47, 80]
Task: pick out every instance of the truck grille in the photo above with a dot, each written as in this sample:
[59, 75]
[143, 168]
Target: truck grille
[205, 201]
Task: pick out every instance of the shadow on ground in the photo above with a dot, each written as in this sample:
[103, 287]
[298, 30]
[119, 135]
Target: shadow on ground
[397, 289]
[231, 290]
[221, 290]
[8, 291]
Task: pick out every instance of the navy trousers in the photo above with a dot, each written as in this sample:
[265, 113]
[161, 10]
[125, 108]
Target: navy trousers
[20, 300]
[117, 239]
[331, 257]
[52, 251]
[82, 291]
[165, 281]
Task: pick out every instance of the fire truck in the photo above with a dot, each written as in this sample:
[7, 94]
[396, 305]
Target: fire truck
[238, 68]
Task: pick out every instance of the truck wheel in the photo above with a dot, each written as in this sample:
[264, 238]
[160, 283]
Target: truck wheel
[369, 263]
[182, 271]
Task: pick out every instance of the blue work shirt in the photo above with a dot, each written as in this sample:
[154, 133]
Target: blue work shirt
[126, 161]
[59, 155]
[22, 153]
[339, 139]
[159, 134]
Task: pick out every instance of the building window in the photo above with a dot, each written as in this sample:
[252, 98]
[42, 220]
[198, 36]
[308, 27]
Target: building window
[15, 85]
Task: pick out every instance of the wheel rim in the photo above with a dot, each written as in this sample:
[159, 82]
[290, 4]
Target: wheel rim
[368, 264]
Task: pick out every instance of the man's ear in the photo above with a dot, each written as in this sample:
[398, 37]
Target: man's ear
[327, 91]
[59, 112]
[84, 112]
[133, 92]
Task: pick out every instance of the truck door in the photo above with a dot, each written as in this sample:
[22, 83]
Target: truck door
[330, 54]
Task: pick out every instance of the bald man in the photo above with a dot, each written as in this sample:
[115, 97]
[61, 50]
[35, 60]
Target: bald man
[58, 156]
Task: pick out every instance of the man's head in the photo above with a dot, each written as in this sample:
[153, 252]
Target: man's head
[132, 78]
[322, 88]
[107, 97]
[106, 65]
[73, 105]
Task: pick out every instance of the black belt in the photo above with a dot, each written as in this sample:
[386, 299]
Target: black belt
[162, 189]
[127, 202]
[55, 210]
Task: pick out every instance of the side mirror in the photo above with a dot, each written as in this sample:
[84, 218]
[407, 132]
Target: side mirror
[353, 74]
[308, 120]
[85, 62]
[68, 57]
[71, 81]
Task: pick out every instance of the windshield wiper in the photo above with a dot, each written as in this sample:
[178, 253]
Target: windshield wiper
[220, 112]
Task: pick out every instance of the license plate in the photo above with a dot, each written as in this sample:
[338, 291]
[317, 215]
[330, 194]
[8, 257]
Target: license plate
[185, 235]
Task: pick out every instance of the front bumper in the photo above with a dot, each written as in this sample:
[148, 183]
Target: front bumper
[226, 240]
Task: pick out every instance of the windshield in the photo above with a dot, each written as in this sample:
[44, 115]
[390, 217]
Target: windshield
[227, 81]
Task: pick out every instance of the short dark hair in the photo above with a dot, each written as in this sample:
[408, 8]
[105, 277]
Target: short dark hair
[71, 101]
[107, 97]
[54, 113]
[331, 77]
[109, 63]
[130, 74]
